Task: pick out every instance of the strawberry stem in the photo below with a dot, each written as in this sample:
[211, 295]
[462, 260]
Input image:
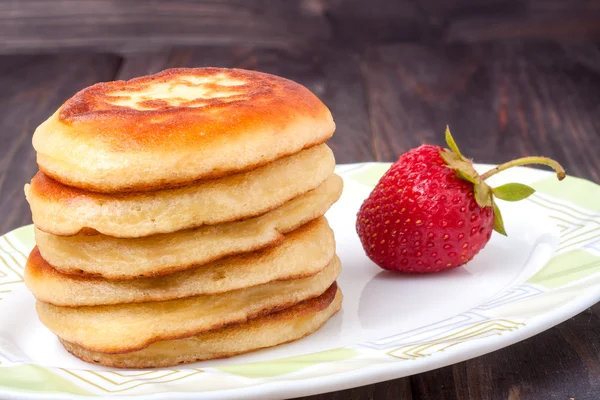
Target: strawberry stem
[560, 172]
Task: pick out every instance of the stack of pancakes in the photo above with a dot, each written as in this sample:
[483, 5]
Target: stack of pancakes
[179, 217]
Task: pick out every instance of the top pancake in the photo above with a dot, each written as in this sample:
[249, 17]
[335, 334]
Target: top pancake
[177, 126]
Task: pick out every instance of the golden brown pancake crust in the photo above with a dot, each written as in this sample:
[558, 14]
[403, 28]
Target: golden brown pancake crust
[277, 328]
[64, 210]
[124, 328]
[156, 255]
[187, 117]
[181, 112]
[305, 252]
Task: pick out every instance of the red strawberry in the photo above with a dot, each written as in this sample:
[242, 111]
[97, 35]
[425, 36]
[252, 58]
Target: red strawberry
[432, 211]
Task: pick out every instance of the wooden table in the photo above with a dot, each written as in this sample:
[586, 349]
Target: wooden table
[502, 97]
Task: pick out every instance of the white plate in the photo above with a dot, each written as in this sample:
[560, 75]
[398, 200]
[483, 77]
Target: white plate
[547, 270]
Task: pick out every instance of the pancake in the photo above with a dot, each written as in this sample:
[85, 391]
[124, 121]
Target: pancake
[64, 210]
[177, 126]
[128, 327]
[115, 258]
[281, 327]
[305, 252]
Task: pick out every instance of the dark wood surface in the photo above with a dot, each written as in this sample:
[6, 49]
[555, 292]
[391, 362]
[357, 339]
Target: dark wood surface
[117, 25]
[134, 25]
[393, 76]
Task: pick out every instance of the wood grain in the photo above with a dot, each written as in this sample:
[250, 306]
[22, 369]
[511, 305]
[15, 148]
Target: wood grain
[334, 76]
[501, 100]
[478, 21]
[462, 21]
[360, 22]
[33, 87]
[114, 25]
[399, 389]
[28, 26]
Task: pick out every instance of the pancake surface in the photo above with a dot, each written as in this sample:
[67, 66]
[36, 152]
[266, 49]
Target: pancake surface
[180, 217]
[65, 210]
[127, 327]
[178, 126]
[305, 252]
[116, 258]
[281, 327]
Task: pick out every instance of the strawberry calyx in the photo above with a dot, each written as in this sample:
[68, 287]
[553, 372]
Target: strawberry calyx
[484, 194]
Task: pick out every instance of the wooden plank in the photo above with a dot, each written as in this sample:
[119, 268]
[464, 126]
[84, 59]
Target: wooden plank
[136, 25]
[476, 21]
[501, 100]
[557, 27]
[561, 363]
[399, 389]
[377, 21]
[113, 25]
[333, 75]
[33, 87]
[362, 22]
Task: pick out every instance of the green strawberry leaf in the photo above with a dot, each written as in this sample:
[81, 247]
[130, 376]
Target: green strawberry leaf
[466, 177]
[464, 168]
[450, 157]
[482, 195]
[513, 191]
[451, 143]
[498, 222]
